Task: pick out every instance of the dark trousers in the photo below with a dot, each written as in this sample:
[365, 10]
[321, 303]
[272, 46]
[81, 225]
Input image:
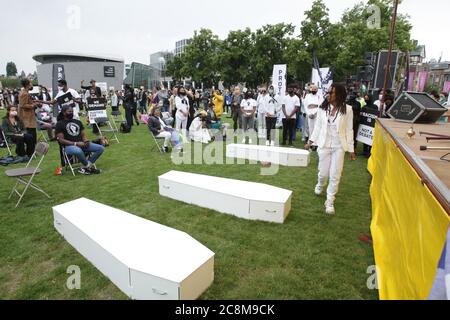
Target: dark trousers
[367, 150]
[129, 115]
[134, 113]
[288, 129]
[237, 118]
[20, 142]
[270, 124]
[33, 133]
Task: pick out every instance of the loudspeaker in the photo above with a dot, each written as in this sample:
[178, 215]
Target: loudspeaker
[381, 68]
[416, 107]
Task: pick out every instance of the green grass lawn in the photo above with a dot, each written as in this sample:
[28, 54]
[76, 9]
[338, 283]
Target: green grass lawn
[310, 256]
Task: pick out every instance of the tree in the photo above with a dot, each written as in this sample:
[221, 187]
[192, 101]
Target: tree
[200, 59]
[318, 35]
[235, 57]
[175, 67]
[11, 69]
[356, 38]
[271, 41]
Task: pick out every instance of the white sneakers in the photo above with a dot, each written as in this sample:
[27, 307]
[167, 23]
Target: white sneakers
[243, 141]
[329, 207]
[250, 141]
[267, 143]
[318, 190]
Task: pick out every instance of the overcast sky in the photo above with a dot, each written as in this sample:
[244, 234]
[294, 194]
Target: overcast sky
[134, 29]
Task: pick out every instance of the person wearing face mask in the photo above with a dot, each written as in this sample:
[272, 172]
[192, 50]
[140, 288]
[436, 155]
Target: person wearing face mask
[263, 102]
[14, 129]
[26, 108]
[290, 105]
[236, 101]
[76, 98]
[333, 134]
[272, 110]
[248, 110]
[312, 102]
[71, 134]
[182, 114]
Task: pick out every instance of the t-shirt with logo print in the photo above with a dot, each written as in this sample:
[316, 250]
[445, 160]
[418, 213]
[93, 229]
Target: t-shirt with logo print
[71, 129]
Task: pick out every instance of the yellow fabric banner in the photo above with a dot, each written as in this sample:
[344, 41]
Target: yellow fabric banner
[409, 225]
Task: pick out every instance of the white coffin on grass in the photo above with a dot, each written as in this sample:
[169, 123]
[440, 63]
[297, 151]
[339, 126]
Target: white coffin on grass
[247, 200]
[290, 157]
[144, 259]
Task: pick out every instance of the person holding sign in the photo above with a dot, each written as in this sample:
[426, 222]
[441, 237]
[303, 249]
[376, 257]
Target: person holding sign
[67, 96]
[72, 136]
[333, 134]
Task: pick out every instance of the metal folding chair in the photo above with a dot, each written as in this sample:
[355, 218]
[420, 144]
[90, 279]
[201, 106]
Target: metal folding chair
[110, 129]
[71, 162]
[157, 145]
[6, 142]
[22, 174]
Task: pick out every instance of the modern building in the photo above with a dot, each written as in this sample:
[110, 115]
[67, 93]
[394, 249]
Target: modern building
[77, 67]
[180, 46]
[142, 75]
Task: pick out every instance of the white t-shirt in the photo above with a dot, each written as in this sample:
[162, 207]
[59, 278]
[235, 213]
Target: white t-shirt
[75, 95]
[263, 102]
[273, 107]
[312, 99]
[290, 103]
[182, 104]
[249, 105]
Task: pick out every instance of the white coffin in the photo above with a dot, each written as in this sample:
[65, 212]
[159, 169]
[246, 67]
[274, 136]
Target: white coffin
[247, 200]
[290, 157]
[146, 260]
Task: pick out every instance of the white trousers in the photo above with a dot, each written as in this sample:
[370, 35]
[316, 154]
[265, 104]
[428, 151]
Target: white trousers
[331, 163]
[181, 124]
[261, 125]
[311, 125]
[166, 135]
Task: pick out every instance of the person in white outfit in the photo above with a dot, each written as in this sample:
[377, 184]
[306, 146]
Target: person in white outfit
[198, 130]
[182, 106]
[333, 134]
[311, 106]
[263, 102]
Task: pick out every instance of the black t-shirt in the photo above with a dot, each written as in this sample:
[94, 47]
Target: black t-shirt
[71, 129]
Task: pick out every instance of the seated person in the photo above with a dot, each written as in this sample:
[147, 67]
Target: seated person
[14, 129]
[72, 136]
[198, 131]
[212, 122]
[160, 130]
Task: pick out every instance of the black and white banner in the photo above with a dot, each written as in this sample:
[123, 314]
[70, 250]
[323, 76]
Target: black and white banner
[96, 109]
[366, 129]
[58, 74]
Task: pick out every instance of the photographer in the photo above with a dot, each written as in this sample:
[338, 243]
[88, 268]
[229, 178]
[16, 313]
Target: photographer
[70, 133]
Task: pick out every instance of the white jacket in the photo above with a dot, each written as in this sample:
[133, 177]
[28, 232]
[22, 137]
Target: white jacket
[344, 124]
